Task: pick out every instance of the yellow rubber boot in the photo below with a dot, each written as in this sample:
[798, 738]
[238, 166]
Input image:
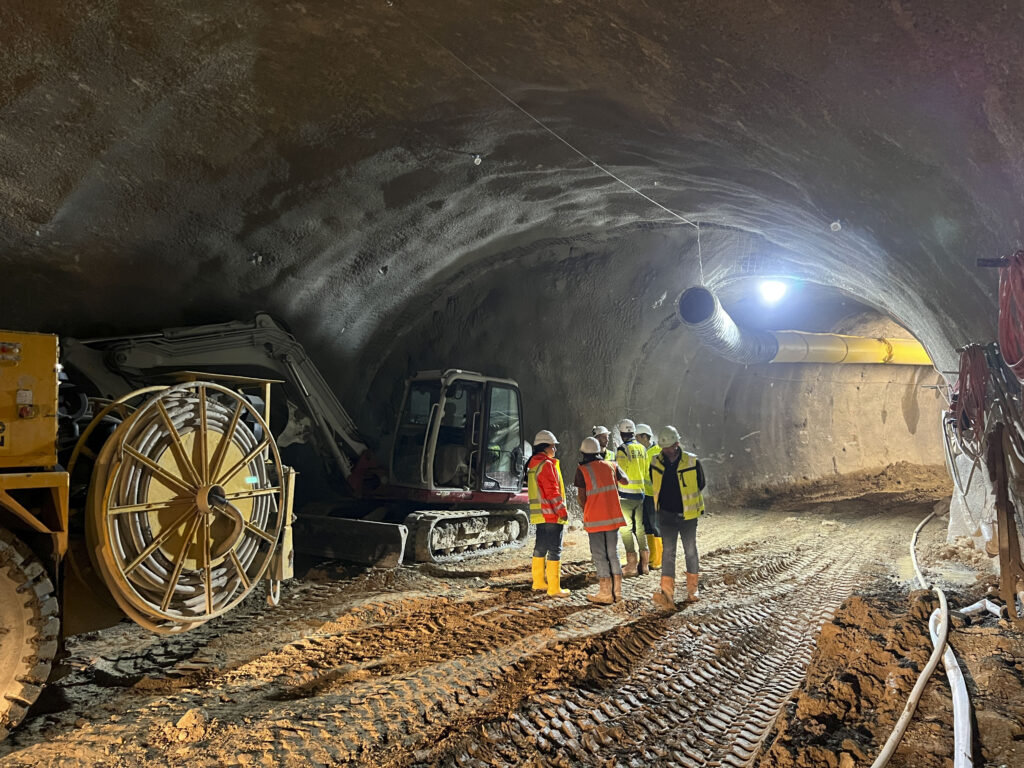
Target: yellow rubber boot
[554, 574]
[655, 545]
[539, 582]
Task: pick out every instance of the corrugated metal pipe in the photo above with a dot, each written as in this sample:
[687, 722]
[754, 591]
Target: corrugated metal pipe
[702, 312]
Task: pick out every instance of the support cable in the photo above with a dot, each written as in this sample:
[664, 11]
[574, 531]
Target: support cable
[469, 68]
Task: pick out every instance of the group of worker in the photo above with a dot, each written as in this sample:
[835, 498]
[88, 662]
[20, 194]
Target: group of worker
[649, 493]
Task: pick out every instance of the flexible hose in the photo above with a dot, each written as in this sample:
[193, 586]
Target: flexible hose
[1011, 314]
[132, 533]
[984, 604]
[969, 408]
[940, 650]
[947, 444]
[961, 702]
[703, 313]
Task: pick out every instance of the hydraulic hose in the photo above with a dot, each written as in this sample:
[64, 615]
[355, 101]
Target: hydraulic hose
[702, 312]
[1011, 313]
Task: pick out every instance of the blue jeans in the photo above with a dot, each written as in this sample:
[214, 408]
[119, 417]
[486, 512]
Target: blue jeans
[549, 541]
[674, 527]
[604, 549]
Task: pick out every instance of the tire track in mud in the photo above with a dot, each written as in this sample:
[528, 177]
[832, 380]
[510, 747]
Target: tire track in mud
[705, 693]
[573, 646]
[450, 673]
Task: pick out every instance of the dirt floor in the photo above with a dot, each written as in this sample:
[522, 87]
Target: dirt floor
[801, 653]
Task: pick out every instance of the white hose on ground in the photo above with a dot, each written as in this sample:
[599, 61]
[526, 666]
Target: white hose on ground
[961, 711]
[961, 702]
[983, 605]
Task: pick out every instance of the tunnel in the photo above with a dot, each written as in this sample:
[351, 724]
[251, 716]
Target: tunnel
[545, 198]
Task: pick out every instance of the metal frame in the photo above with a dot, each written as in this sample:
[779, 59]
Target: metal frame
[53, 522]
[433, 427]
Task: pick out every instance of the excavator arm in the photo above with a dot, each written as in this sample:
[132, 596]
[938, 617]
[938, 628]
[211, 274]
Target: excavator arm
[228, 348]
[442, 524]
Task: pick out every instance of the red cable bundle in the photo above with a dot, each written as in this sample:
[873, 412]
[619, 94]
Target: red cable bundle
[1011, 314]
[969, 408]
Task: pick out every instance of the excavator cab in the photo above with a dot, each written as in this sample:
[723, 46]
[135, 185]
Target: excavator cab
[459, 430]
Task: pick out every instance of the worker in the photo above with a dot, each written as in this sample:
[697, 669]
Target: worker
[596, 480]
[677, 478]
[548, 512]
[632, 458]
[602, 434]
[645, 437]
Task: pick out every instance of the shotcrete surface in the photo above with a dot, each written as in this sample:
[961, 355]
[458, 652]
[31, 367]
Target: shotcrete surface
[346, 167]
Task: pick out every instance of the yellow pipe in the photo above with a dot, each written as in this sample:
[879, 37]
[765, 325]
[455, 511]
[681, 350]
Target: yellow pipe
[804, 347]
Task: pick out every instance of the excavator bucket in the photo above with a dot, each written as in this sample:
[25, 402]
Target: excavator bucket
[363, 542]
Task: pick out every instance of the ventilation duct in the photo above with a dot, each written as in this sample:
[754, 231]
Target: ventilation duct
[702, 312]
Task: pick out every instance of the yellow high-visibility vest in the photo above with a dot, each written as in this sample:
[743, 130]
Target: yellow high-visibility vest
[632, 459]
[653, 451]
[686, 474]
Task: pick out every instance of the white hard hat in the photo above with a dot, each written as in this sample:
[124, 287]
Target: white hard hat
[627, 426]
[644, 429]
[545, 436]
[600, 431]
[668, 436]
[590, 445]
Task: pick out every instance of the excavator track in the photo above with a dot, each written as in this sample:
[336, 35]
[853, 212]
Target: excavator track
[29, 626]
[445, 537]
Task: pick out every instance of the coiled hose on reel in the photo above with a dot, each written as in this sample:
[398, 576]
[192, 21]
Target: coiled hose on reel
[185, 506]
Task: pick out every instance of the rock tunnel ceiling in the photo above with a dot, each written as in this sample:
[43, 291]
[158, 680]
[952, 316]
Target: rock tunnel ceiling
[185, 163]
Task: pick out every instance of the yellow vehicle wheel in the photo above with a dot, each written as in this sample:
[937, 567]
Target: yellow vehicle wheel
[185, 506]
[29, 627]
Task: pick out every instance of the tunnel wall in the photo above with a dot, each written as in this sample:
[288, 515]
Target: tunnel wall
[591, 335]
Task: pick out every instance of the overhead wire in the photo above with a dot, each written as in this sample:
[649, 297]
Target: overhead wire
[469, 68]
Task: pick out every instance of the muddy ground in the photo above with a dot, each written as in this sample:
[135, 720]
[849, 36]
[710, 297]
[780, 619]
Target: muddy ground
[466, 666]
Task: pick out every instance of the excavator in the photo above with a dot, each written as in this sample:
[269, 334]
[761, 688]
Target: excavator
[454, 487]
[153, 477]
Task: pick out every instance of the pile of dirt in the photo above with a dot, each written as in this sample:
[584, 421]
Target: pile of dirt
[910, 482]
[962, 550]
[866, 663]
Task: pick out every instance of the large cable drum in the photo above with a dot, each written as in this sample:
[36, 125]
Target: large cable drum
[186, 506]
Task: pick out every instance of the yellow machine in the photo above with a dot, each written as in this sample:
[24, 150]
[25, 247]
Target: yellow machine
[184, 508]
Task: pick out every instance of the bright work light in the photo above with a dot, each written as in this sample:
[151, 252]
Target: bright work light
[772, 291]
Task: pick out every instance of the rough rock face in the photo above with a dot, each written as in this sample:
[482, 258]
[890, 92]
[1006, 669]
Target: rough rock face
[164, 164]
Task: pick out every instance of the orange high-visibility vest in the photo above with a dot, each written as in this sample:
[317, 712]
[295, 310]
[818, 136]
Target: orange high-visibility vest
[602, 511]
[547, 491]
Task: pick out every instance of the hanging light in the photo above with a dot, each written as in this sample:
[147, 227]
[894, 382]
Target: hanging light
[772, 291]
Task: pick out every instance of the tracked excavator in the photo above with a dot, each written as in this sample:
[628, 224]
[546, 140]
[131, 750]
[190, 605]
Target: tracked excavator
[142, 477]
[454, 486]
